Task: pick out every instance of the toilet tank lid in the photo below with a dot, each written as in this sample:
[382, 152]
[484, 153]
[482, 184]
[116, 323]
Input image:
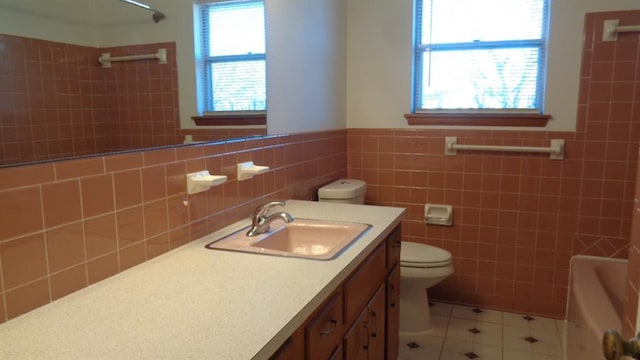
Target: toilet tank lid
[412, 252]
[343, 189]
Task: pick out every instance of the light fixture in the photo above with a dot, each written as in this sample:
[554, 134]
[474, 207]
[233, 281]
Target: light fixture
[157, 15]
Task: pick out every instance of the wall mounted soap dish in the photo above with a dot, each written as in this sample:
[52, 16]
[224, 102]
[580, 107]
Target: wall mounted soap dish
[201, 181]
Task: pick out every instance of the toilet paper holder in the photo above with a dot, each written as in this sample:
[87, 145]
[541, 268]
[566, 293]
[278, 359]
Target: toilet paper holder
[438, 214]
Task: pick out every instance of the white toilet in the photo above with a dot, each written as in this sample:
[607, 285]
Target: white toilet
[346, 191]
[421, 267]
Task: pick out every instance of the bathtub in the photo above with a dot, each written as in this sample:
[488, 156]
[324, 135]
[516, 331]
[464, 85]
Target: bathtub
[595, 304]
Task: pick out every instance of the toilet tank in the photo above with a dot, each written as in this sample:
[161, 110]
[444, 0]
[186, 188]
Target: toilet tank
[348, 191]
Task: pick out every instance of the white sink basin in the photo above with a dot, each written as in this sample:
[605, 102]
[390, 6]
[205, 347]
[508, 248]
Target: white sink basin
[303, 238]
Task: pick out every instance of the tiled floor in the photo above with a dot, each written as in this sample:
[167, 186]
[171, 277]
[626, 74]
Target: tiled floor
[463, 333]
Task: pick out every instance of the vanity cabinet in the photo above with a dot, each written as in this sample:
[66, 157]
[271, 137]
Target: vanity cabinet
[323, 334]
[360, 319]
[366, 338]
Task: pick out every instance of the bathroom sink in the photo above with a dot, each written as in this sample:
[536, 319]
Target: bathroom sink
[302, 238]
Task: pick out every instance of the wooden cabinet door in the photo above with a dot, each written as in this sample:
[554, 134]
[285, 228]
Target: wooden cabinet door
[337, 355]
[356, 340]
[376, 325]
[324, 332]
[362, 284]
[393, 313]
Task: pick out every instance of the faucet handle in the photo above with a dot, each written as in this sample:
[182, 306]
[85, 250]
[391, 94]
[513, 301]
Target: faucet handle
[263, 210]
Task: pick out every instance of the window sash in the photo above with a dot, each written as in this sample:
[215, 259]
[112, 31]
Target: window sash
[208, 60]
[424, 50]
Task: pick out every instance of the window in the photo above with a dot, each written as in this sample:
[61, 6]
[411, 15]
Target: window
[480, 56]
[233, 55]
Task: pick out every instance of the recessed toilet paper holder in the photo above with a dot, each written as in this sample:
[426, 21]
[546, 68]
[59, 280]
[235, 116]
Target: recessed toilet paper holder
[438, 214]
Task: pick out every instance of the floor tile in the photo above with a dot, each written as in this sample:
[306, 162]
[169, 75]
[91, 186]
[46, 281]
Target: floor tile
[511, 354]
[514, 320]
[467, 333]
[475, 331]
[514, 338]
[473, 313]
[454, 349]
[424, 347]
[440, 325]
[545, 357]
[440, 308]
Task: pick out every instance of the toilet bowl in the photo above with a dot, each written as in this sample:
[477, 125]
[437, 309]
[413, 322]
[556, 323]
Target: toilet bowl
[421, 267]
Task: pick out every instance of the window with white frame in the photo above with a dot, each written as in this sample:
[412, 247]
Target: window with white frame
[233, 56]
[480, 56]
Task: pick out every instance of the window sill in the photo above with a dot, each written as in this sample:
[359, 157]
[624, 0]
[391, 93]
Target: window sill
[231, 119]
[477, 119]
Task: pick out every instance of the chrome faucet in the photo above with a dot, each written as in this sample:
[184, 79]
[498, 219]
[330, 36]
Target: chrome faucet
[260, 219]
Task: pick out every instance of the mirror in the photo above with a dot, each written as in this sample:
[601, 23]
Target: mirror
[57, 101]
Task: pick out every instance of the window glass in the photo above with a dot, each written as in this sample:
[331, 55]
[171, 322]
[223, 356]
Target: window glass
[480, 55]
[233, 40]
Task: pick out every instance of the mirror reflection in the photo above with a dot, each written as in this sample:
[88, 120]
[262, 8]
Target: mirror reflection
[57, 100]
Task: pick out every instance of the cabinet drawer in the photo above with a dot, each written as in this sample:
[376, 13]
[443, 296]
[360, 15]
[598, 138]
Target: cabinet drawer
[324, 331]
[394, 243]
[360, 287]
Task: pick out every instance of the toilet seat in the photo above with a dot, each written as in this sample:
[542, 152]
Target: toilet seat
[423, 256]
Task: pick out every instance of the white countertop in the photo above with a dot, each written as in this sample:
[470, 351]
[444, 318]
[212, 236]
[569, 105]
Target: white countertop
[193, 303]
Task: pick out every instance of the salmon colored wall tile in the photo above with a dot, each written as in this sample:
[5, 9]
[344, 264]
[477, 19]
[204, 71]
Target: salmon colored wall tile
[61, 203]
[154, 183]
[123, 162]
[100, 235]
[178, 237]
[20, 212]
[157, 245]
[132, 255]
[3, 313]
[155, 218]
[103, 267]
[128, 188]
[65, 247]
[26, 176]
[27, 297]
[156, 157]
[130, 225]
[97, 195]
[23, 260]
[78, 168]
[68, 281]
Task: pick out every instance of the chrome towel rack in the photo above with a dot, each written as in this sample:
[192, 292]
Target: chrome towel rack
[556, 150]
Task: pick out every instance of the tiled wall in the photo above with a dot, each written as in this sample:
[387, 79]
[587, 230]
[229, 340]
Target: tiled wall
[518, 218]
[57, 101]
[46, 93]
[139, 98]
[66, 225]
[141, 105]
[633, 273]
